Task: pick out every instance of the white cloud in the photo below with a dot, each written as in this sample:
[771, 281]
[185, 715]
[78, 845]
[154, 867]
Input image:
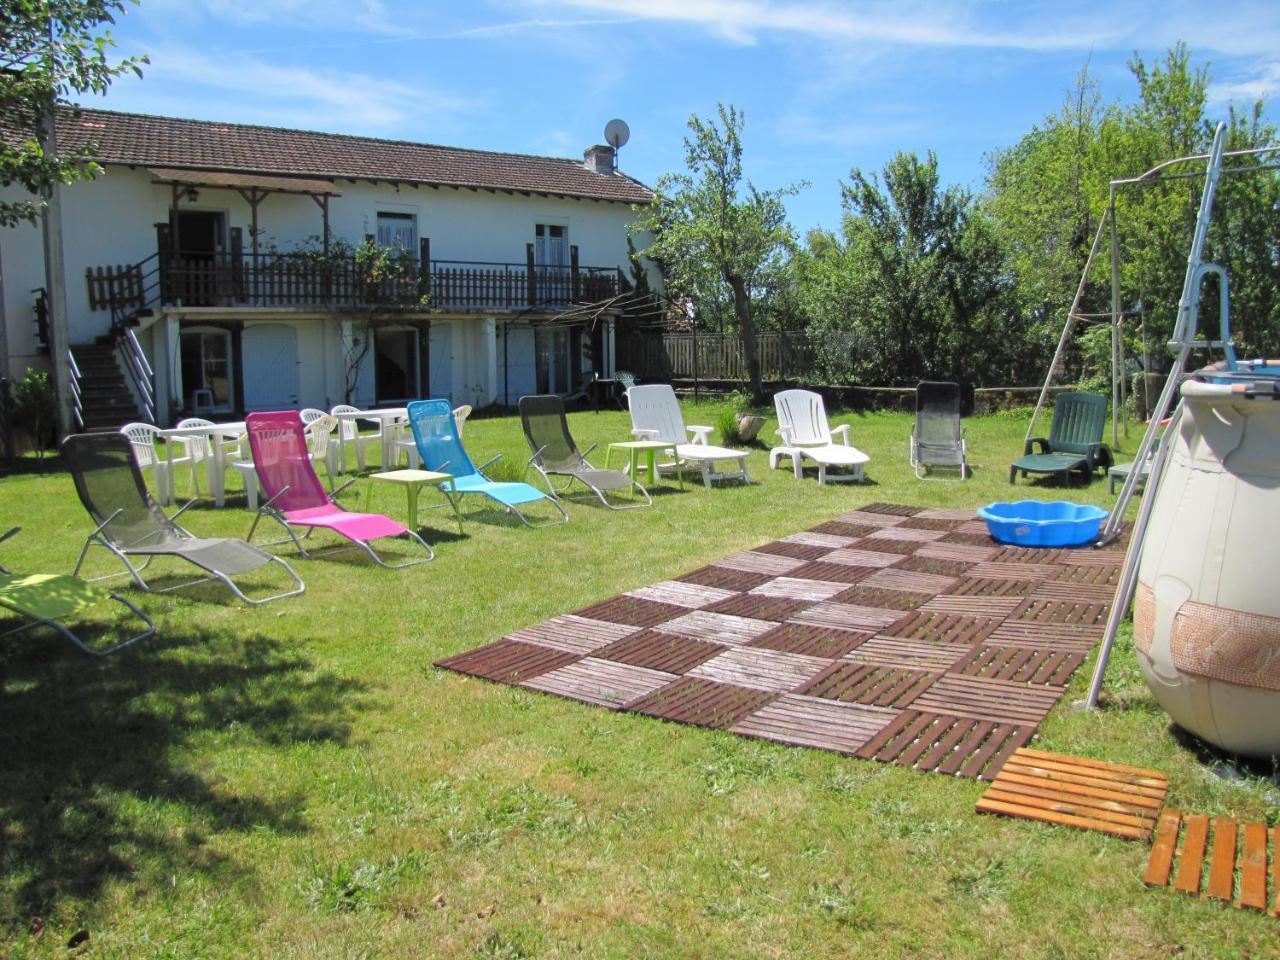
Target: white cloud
[1262, 83]
[318, 98]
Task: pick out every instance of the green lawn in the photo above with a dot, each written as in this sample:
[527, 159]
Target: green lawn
[299, 781]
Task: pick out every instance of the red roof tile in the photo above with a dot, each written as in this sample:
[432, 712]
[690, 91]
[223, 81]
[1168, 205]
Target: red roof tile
[138, 139]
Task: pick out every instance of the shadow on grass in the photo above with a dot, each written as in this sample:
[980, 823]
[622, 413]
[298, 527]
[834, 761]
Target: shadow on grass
[1226, 765]
[92, 787]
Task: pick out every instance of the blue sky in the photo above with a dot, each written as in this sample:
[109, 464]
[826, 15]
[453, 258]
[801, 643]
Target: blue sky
[825, 86]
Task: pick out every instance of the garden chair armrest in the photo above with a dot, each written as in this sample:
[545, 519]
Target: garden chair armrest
[9, 533]
[1099, 456]
[333, 496]
[583, 456]
[533, 461]
[641, 433]
[841, 431]
[1041, 442]
[270, 500]
[492, 460]
[182, 509]
[103, 525]
[700, 434]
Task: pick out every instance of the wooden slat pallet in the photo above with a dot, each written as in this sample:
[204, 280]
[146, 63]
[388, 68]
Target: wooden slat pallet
[1074, 792]
[1237, 861]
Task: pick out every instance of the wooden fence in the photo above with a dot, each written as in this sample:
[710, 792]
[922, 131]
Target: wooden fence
[715, 356]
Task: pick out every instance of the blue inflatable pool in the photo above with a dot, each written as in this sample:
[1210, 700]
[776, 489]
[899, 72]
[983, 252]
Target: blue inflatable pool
[1043, 523]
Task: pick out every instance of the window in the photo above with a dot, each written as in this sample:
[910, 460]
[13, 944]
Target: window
[557, 360]
[398, 230]
[206, 368]
[551, 245]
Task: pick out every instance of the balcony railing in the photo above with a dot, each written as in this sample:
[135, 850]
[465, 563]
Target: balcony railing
[306, 280]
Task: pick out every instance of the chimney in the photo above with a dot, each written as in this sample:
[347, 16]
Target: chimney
[600, 159]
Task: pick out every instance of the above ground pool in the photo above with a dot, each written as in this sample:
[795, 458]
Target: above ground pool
[1043, 523]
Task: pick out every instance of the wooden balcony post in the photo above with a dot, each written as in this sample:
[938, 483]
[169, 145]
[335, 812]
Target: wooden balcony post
[424, 267]
[575, 288]
[533, 274]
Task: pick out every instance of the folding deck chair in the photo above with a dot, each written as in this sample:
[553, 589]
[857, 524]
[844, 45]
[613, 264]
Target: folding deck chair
[436, 434]
[554, 453]
[131, 525]
[1074, 441]
[297, 498]
[49, 599]
[655, 415]
[806, 435]
[937, 439]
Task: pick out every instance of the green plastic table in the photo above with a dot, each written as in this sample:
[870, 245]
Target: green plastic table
[650, 449]
[413, 481]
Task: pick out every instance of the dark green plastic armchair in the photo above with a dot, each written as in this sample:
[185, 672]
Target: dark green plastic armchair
[1074, 442]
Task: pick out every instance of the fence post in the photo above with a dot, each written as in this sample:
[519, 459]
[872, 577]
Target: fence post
[532, 276]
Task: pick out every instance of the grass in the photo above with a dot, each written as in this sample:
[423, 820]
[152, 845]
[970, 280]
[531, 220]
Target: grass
[298, 780]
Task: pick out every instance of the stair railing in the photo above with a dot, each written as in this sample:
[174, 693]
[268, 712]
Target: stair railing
[77, 404]
[143, 378]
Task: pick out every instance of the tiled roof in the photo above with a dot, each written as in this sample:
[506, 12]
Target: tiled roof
[138, 139]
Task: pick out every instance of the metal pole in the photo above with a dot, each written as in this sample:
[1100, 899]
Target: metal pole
[55, 279]
[1115, 321]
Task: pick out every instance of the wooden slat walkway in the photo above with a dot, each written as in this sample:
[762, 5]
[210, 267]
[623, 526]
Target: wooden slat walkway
[890, 633]
[1228, 863]
[1071, 791]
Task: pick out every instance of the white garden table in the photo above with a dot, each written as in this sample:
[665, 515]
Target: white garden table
[387, 417]
[216, 464]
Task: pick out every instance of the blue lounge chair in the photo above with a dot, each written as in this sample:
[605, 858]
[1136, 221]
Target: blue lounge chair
[441, 450]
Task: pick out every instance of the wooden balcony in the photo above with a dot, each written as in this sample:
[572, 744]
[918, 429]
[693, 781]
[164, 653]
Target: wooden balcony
[305, 280]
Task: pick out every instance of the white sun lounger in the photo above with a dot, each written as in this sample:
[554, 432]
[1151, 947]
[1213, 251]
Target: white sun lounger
[655, 415]
[806, 435]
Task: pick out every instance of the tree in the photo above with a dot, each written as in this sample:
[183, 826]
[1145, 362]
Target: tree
[50, 50]
[916, 285]
[715, 238]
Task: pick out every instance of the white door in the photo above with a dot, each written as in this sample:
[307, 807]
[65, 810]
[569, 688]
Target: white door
[440, 359]
[270, 353]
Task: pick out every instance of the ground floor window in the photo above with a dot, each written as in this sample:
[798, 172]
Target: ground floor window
[396, 374]
[558, 360]
[206, 369]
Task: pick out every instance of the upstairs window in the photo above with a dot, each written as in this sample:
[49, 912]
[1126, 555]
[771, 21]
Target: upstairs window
[551, 245]
[398, 231]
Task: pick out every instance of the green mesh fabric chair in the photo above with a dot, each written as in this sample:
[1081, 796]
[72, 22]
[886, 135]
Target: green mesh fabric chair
[556, 454]
[1074, 443]
[130, 525]
[49, 599]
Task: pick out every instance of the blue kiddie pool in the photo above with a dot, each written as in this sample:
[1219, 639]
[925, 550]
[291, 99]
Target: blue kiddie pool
[1043, 523]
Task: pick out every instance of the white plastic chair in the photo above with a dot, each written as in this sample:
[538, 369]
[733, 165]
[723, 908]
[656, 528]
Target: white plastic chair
[318, 432]
[460, 415]
[655, 415]
[349, 433]
[805, 433]
[142, 437]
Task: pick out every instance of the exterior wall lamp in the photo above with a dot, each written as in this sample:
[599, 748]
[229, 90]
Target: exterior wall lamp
[192, 194]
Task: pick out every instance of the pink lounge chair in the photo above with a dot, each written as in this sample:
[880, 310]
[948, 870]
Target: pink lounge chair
[296, 497]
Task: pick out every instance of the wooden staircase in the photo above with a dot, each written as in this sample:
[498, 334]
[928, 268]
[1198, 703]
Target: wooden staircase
[107, 402]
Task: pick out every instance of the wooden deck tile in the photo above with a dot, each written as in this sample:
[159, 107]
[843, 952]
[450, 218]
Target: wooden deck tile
[1088, 794]
[1236, 865]
[870, 518]
[632, 611]
[601, 682]
[1013, 571]
[919, 563]
[1160, 865]
[1021, 664]
[985, 698]
[810, 722]
[1253, 868]
[840, 529]
[796, 551]
[508, 661]
[970, 586]
[956, 551]
[883, 598]
[907, 654]
[878, 544]
[761, 669]
[660, 651]
[757, 607]
[798, 588]
[830, 642]
[970, 606]
[909, 581]
[573, 634]
[692, 596]
[854, 557]
[1044, 636]
[872, 685]
[945, 513]
[1191, 855]
[832, 572]
[955, 745]
[814, 538]
[751, 561]
[716, 627]
[725, 578]
[911, 533]
[951, 628]
[704, 703]
[891, 509]
[847, 616]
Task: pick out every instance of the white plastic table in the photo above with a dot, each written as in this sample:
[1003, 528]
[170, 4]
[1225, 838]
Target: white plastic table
[387, 418]
[215, 465]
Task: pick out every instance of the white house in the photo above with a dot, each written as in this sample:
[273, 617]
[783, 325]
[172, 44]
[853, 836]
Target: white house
[214, 264]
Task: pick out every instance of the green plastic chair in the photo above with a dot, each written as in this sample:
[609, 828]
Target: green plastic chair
[1074, 441]
[49, 599]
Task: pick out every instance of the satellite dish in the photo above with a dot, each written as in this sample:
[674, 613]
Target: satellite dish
[616, 133]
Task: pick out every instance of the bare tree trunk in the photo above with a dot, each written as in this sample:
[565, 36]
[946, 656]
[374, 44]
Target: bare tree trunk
[747, 332]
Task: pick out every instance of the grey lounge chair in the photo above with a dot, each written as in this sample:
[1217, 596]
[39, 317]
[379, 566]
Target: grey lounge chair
[937, 439]
[130, 524]
[555, 453]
